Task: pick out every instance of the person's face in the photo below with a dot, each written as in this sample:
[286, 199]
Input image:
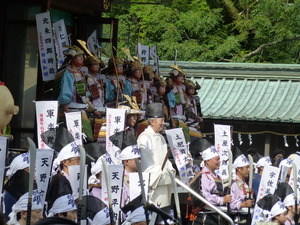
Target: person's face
[131, 165]
[137, 74]
[214, 163]
[131, 120]
[94, 68]
[161, 90]
[191, 91]
[157, 124]
[287, 179]
[281, 218]
[78, 60]
[179, 79]
[36, 215]
[244, 172]
[120, 69]
[278, 157]
[72, 215]
[73, 161]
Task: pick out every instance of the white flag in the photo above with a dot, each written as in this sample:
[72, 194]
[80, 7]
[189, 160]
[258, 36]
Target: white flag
[44, 159]
[143, 53]
[115, 175]
[268, 184]
[3, 150]
[60, 36]
[74, 125]
[180, 153]
[46, 46]
[46, 117]
[92, 42]
[223, 141]
[115, 121]
[135, 184]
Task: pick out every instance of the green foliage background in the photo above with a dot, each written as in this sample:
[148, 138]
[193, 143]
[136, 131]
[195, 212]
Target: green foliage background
[213, 30]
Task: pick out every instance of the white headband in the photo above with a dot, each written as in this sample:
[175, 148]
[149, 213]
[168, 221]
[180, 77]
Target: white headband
[289, 200]
[21, 205]
[277, 209]
[62, 204]
[102, 217]
[264, 161]
[69, 151]
[130, 152]
[240, 161]
[286, 162]
[209, 153]
[19, 162]
[138, 215]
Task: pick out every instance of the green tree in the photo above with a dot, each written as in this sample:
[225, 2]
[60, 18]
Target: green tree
[214, 30]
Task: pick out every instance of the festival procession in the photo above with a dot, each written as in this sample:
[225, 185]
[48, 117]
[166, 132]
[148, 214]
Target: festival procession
[121, 144]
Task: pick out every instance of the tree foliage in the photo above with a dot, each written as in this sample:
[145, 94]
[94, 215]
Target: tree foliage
[214, 30]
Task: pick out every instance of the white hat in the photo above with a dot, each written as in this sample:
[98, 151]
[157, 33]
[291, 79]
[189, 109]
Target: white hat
[286, 162]
[62, 204]
[264, 161]
[289, 200]
[209, 153]
[277, 209]
[69, 151]
[19, 162]
[240, 161]
[21, 205]
[102, 217]
[130, 152]
[137, 215]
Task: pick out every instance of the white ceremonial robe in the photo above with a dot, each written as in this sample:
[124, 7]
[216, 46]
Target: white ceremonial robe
[153, 152]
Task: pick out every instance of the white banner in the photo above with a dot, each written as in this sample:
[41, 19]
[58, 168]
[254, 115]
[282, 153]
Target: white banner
[3, 151]
[60, 37]
[44, 160]
[268, 184]
[115, 174]
[223, 141]
[92, 42]
[296, 160]
[180, 154]
[115, 121]
[74, 125]
[155, 58]
[46, 46]
[135, 184]
[143, 53]
[46, 118]
[74, 177]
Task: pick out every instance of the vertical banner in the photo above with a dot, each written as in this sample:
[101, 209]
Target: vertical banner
[74, 177]
[46, 46]
[135, 184]
[115, 121]
[46, 117]
[3, 151]
[293, 179]
[267, 185]
[155, 58]
[92, 42]
[60, 37]
[143, 53]
[180, 153]
[74, 125]
[44, 159]
[223, 138]
[115, 174]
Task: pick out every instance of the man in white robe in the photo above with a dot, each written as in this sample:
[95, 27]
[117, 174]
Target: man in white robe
[153, 153]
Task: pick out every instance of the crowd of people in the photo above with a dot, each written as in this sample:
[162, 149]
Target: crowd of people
[153, 104]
